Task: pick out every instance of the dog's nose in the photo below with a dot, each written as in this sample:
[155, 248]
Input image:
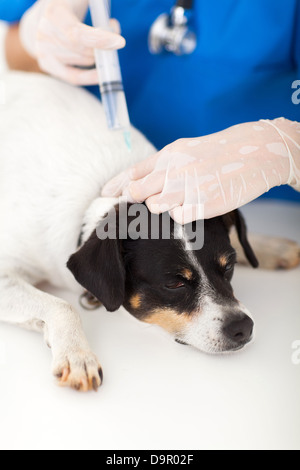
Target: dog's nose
[240, 331]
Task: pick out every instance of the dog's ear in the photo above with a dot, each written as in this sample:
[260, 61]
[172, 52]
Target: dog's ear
[98, 266]
[235, 218]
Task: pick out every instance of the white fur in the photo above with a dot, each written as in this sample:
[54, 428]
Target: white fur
[56, 154]
[205, 332]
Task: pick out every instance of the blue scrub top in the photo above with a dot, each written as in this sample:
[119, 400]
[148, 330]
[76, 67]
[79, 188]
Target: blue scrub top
[247, 57]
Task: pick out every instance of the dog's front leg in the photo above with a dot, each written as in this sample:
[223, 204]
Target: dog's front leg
[74, 364]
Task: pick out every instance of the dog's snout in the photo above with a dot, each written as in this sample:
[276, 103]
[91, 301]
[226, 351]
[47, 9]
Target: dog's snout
[240, 331]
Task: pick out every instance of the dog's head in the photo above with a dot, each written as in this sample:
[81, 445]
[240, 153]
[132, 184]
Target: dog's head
[162, 281]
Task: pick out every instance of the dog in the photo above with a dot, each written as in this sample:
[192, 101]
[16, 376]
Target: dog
[163, 281]
[55, 156]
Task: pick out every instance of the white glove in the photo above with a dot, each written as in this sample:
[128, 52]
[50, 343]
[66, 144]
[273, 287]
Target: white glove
[210, 176]
[52, 32]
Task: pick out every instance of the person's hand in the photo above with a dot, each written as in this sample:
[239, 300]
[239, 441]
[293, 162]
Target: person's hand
[52, 32]
[209, 176]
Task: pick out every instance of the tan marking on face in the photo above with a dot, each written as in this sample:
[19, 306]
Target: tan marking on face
[169, 319]
[187, 274]
[136, 301]
[223, 260]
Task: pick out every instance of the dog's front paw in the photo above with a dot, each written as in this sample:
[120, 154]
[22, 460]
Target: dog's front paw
[79, 370]
[279, 253]
[271, 252]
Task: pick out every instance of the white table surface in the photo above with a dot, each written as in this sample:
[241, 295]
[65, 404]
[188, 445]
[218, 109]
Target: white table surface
[158, 394]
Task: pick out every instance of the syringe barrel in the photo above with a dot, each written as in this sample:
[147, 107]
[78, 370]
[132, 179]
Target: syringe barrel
[100, 13]
[109, 72]
[115, 106]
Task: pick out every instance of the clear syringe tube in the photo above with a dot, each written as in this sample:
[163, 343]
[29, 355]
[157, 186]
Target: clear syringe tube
[110, 77]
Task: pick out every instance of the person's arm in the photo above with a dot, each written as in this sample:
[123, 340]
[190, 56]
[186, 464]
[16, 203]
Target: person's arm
[16, 56]
[12, 51]
[297, 42]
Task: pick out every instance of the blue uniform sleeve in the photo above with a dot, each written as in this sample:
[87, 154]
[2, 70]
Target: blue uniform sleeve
[297, 57]
[11, 11]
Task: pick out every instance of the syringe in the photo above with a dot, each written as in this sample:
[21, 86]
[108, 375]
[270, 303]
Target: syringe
[110, 77]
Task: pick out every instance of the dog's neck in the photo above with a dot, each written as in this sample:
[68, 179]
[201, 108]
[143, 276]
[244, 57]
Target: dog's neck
[96, 211]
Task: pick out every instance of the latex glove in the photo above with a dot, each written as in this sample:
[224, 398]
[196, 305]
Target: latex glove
[210, 176]
[52, 32]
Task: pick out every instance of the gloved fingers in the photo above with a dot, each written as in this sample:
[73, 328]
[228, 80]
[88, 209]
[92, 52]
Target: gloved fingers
[167, 183]
[56, 32]
[65, 55]
[144, 168]
[148, 186]
[137, 191]
[78, 37]
[165, 160]
[71, 75]
[161, 203]
[77, 60]
[115, 26]
[80, 8]
[96, 38]
[187, 213]
[116, 186]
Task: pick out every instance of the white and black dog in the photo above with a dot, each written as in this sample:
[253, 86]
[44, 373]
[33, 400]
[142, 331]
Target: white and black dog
[56, 154]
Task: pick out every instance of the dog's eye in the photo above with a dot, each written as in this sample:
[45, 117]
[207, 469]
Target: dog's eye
[175, 285]
[228, 267]
[228, 271]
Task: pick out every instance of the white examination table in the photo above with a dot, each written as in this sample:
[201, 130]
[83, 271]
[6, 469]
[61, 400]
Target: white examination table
[158, 394]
